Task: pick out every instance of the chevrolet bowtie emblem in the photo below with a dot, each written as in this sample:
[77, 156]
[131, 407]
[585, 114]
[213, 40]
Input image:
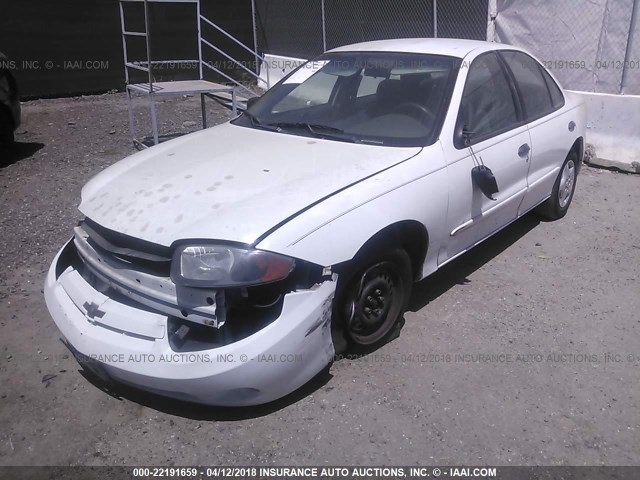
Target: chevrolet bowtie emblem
[92, 310]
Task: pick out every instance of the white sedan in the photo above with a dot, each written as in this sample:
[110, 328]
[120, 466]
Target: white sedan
[229, 266]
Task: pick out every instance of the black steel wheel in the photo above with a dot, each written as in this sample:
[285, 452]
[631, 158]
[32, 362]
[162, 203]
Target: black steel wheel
[373, 298]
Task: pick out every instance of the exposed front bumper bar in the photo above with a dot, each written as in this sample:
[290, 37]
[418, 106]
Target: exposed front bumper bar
[132, 345]
[159, 293]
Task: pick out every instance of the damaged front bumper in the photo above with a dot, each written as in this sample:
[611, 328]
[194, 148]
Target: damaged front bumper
[131, 341]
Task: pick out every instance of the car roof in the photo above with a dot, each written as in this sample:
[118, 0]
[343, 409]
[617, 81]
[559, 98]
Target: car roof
[453, 47]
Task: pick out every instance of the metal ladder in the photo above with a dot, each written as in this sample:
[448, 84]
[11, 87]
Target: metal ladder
[225, 94]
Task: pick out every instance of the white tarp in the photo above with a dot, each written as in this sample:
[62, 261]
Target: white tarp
[583, 42]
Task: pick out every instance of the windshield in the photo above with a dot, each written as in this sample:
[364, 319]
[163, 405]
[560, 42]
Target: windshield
[394, 99]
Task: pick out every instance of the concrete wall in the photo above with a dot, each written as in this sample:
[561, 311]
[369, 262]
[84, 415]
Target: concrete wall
[613, 128]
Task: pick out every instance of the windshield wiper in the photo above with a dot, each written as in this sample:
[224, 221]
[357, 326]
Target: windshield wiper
[317, 130]
[255, 123]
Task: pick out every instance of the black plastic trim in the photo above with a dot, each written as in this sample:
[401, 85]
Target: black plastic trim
[133, 244]
[105, 244]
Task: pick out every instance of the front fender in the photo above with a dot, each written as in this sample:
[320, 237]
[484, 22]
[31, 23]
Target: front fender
[335, 230]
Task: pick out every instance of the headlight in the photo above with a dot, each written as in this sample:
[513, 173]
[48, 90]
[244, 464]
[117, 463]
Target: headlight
[227, 266]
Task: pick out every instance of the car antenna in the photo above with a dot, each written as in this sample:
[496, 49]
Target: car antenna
[477, 160]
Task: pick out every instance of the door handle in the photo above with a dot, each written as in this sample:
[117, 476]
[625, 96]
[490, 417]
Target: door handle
[524, 150]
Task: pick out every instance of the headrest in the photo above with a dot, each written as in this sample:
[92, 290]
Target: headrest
[390, 90]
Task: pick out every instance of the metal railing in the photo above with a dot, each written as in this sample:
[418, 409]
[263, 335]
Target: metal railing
[235, 61]
[571, 45]
[147, 64]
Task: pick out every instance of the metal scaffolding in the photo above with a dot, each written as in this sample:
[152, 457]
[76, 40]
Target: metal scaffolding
[225, 94]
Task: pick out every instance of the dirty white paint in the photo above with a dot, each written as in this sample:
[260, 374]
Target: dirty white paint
[321, 200]
[262, 367]
[227, 183]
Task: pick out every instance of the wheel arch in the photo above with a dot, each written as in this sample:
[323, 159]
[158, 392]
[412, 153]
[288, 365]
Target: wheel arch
[578, 148]
[10, 106]
[6, 114]
[410, 235]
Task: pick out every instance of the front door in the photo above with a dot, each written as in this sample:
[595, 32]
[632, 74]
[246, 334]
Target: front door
[492, 125]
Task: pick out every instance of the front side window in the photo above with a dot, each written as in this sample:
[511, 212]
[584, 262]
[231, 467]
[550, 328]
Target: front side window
[391, 99]
[487, 107]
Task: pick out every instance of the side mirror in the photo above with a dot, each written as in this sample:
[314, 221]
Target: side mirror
[481, 175]
[462, 136]
[251, 101]
[483, 178]
[466, 135]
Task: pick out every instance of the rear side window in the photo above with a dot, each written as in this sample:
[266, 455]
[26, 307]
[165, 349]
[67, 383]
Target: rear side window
[532, 85]
[556, 95]
[487, 107]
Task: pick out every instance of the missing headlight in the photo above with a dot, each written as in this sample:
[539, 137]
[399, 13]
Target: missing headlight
[244, 318]
[247, 310]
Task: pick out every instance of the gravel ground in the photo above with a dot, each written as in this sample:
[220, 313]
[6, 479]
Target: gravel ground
[549, 301]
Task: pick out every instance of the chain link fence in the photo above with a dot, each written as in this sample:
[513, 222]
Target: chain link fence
[306, 28]
[292, 28]
[589, 45]
[462, 19]
[353, 21]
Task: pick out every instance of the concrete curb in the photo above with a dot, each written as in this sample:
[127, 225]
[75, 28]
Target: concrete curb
[633, 167]
[591, 159]
[612, 137]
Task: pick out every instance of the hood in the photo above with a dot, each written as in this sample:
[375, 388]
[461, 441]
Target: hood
[226, 183]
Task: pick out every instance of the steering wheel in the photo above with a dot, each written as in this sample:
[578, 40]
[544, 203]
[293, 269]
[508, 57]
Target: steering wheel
[413, 108]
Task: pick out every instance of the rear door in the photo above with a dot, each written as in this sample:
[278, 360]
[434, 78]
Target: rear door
[498, 137]
[542, 102]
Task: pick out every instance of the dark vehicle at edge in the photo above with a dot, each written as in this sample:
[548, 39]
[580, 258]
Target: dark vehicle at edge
[9, 102]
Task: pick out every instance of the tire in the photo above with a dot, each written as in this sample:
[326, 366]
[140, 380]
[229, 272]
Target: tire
[6, 128]
[371, 299]
[6, 139]
[557, 205]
